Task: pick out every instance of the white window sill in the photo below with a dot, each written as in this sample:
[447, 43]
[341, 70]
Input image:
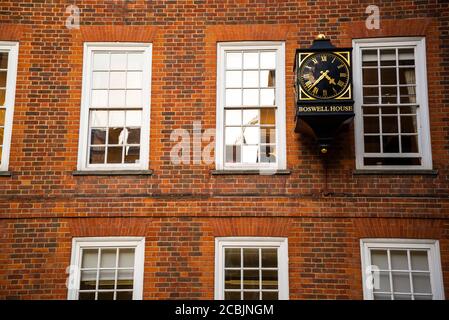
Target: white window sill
[423, 172]
[5, 174]
[113, 173]
[261, 172]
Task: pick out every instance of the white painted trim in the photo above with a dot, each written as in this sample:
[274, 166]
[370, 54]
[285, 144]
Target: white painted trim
[421, 97]
[436, 274]
[239, 242]
[279, 46]
[13, 57]
[89, 47]
[116, 242]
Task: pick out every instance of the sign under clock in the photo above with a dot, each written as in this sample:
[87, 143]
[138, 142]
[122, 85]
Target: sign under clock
[323, 84]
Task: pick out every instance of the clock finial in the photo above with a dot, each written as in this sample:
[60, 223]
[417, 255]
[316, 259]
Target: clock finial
[321, 36]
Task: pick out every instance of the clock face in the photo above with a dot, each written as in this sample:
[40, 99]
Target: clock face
[324, 75]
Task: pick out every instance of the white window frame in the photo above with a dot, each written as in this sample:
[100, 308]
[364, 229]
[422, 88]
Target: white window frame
[138, 243]
[279, 46]
[13, 57]
[246, 242]
[436, 276]
[424, 143]
[89, 48]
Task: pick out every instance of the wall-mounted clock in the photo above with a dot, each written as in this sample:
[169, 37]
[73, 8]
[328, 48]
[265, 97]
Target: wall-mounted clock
[323, 85]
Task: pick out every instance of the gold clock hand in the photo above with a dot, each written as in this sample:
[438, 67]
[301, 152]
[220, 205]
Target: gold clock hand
[323, 74]
[331, 80]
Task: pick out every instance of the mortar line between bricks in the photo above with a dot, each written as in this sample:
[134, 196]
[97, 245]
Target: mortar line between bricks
[217, 196]
[321, 216]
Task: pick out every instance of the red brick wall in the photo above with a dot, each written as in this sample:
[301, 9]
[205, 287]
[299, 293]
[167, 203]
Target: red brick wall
[181, 208]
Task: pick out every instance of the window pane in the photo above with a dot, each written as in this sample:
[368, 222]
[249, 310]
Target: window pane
[250, 154]
[408, 124]
[99, 118]
[250, 79]
[269, 279]
[108, 258]
[117, 80]
[3, 60]
[423, 297]
[133, 118]
[233, 60]
[117, 98]
[118, 61]
[384, 282]
[269, 295]
[233, 97]
[251, 279]
[407, 76]
[382, 296]
[267, 78]
[250, 258]
[101, 61]
[369, 58]
[399, 260]
[98, 136]
[232, 295]
[105, 295]
[251, 135]
[134, 80]
[250, 117]
[124, 295]
[372, 144]
[126, 258]
[390, 144]
[421, 283]
[268, 60]
[116, 118]
[134, 98]
[267, 154]
[133, 136]
[232, 257]
[401, 282]
[232, 279]
[88, 280]
[409, 144]
[100, 80]
[371, 124]
[370, 77]
[419, 260]
[233, 117]
[388, 57]
[267, 97]
[135, 61]
[406, 57]
[251, 295]
[268, 135]
[99, 98]
[402, 297]
[379, 258]
[250, 97]
[107, 279]
[267, 116]
[233, 135]
[116, 136]
[250, 60]
[90, 258]
[233, 79]
[86, 296]
[96, 155]
[233, 154]
[269, 258]
[389, 124]
[125, 279]
[115, 154]
[388, 76]
[132, 154]
[2, 97]
[389, 94]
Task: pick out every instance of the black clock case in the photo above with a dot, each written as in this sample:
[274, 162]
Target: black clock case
[322, 125]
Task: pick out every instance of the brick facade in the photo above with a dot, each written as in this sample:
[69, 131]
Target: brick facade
[180, 209]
